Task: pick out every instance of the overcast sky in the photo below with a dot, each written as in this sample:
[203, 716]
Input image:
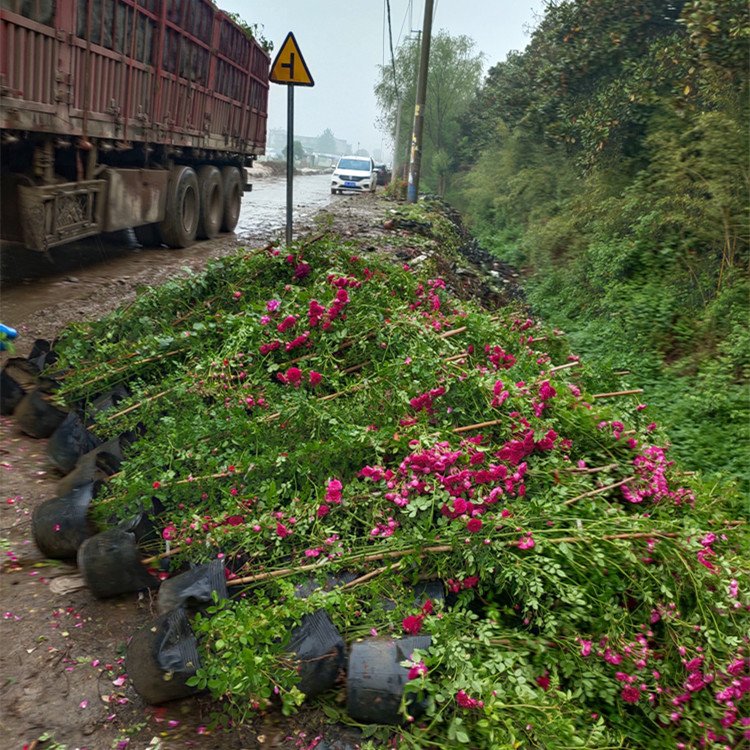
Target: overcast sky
[344, 41]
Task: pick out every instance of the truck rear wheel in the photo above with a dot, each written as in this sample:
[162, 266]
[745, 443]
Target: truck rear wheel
[180, 224]
[211, 192]
[232, 180]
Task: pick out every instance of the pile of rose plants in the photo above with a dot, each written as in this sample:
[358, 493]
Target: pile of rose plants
[316, 412]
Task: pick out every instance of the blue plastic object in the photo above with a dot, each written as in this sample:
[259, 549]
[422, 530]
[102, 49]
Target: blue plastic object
[6, 332]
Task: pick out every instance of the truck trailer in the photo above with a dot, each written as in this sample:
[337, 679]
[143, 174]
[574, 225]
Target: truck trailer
[126, 113]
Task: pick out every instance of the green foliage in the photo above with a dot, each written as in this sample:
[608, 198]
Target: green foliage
[436, 441]
[298, 149]
[252, 31]
[614, 170]
[454, 75]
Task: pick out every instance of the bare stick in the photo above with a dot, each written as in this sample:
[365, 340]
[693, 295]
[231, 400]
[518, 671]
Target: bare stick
[331, 396]
[368, 576]
[598, 491]
[345, 345]
[162, 555]
[564, 367]
[593, 469]
[618, 393]
[364, 558]
[438, 549]
[478, 425]
[353, 368]
[190, 480]
[138, 405]
[610, 537]
[456, 357]
[454, 332]
[131, 364]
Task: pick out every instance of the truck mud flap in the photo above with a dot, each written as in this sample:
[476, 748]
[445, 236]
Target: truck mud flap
[54, 214]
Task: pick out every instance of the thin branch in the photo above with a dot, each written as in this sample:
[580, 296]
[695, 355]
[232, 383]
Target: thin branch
[478, 425]
[564, 367]
[138, 405]
[593, 469]
[454, 332]
[368, 576]
[598, 491]
[618, 393]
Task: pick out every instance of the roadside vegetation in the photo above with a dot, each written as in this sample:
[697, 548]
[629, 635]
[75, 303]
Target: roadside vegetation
[320, 411]
[455, 75]
[609, 160]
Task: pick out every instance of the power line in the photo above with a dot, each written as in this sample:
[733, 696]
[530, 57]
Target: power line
[382, 43]
[393, 59]
[403, 23]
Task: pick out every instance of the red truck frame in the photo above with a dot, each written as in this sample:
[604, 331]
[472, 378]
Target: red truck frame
[126, 113]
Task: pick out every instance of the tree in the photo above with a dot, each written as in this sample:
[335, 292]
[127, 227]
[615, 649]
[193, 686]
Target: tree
[609, 158]
[327, 142]
[299, 152]
[454, 77]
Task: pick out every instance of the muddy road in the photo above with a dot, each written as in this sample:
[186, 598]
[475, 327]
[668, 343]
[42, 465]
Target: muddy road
[41, 292]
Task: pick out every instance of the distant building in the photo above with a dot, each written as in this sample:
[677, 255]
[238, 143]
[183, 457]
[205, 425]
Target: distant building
[276, 143]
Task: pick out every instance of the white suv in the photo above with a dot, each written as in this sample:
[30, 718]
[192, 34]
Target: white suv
[355, 173]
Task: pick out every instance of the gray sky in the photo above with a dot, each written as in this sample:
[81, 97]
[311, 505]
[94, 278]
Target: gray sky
[343, 42]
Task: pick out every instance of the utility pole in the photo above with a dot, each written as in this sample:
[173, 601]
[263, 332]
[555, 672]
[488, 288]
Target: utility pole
[415, 162]
[396, 161]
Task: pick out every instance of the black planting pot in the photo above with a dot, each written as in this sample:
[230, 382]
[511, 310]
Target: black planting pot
[62, 524]
[105, 401]
[146, 530]
[161, 657]
[42, 355]
[11, 393]
[376, 679]
[194, 588]
[432, 590]
[111, 565]
[25, 373]
[96, 465]
[37, 416]
[303, 590]
[69, 442]
[423, 590]
[318, 649]
[340, 737]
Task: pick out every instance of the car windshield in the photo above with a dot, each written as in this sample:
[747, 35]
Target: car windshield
[356, 164]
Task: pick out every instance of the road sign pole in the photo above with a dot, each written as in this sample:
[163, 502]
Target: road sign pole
[290, 69]
[289, 161]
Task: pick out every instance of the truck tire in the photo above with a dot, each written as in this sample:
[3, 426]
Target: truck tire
[148, 235]
[232, 181]
[180, 224]
[211, 190]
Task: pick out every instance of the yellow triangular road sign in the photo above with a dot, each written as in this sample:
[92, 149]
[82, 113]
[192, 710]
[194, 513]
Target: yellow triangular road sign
[290, 67]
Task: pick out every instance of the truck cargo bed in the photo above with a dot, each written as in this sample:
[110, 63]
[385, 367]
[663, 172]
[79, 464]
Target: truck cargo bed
[170, 72]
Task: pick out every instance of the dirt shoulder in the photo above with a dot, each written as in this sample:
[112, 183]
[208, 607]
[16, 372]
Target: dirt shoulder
[63, 679]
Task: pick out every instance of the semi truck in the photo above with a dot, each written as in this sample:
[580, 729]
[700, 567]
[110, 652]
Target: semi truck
[118, 114]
